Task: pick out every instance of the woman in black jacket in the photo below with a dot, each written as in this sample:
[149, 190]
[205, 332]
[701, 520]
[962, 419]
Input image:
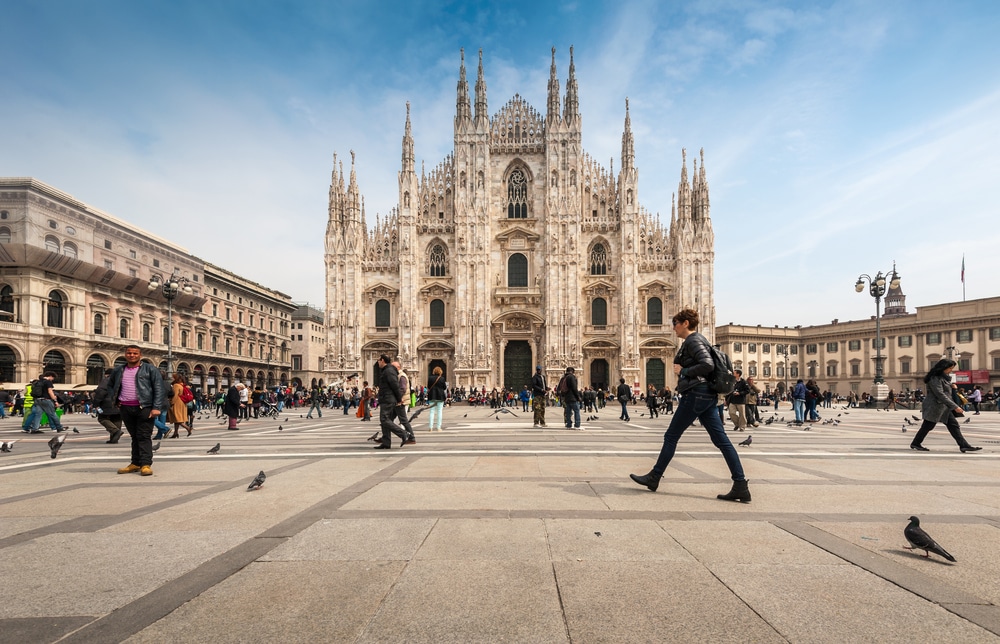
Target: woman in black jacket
[437, 393]
[939, 407]
[694, 366]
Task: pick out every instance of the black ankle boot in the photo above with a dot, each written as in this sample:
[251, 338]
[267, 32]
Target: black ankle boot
[740, 492]
[651, 480]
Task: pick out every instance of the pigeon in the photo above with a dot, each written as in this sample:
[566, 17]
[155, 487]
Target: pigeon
[55, 444]
[967, 420]
[418, 412]
[286, 419]
[76, 431]
[769, 421]
[465, 416]
[915, 417]
[7, 446]
[747, 442]
[257, 482]
[374, 438]
[215, 450]
[908, 421]
[920, 540]
[503, 410]
[641, 414]
[157, 446]
[598, 533]
[280, 428]
[904, 429]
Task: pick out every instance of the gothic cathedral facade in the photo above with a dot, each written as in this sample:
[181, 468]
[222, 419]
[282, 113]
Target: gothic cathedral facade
[518, 249]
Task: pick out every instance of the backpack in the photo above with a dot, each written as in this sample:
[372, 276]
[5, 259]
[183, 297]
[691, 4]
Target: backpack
[563, 386]
[723, 380]
[186, 395]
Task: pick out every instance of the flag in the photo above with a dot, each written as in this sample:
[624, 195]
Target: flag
[963, 269]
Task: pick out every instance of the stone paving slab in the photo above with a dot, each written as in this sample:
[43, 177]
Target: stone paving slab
[355, 539]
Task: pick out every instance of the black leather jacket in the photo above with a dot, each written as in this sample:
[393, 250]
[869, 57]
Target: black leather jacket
[148, 385]
[389, 392]
[696, 362]
[538, 387]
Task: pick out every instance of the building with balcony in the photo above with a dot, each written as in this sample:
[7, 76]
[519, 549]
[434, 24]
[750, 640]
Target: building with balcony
[74, 291]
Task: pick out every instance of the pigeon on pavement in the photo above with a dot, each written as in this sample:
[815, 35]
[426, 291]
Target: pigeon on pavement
[967, 420]
[280, 428]
[215, 450]
[915, 417]
[257, 482]
[7, 446]
[920, 540]
[76, 431]
[418, 412]
[157, 446]
[904, 429]
[55, 444]
[503, 410]
[747, 442]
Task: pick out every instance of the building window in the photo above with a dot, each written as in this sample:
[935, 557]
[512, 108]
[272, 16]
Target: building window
[599, 312]
[69, 250]
[166, 335]
[52, 243]
[53, 225]
[654, 311]
[199, 339]
[831, 370]
[147, 332]
[995, 333]
[229, 314]
[239, 346]
[934, 338]
[831, 347]
[904, 366]
[133, 273]
[881, 343]
[517, 195]
[793, 371]
[296, 363]
[904, 341]
[229, 345]
[765, 348]
[752, 347]
[517, 271]
[4, 235]
[123, 329]
[963, 335]
[737, 346]
[793, 349]
[855, 369]
[812, 369]
[438, 261]
[156, 263]
[108, 264]
[598, 260]
[107, 244]
[382, 309]
[780, 371]
[752, 371]
[964, 364]
[854, 345]
[98, 324]
[239, 317]
[996, 363]
[437, 313]
[131, 253]
[811, 348]
[215, 310]
[54, 314]
[184, 338]
[767, 371]
[215, 344]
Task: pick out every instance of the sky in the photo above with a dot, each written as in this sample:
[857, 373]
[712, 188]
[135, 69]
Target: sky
[839, 137]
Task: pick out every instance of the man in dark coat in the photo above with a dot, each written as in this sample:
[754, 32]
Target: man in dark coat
[389, 398]
[538, 392]
[571, 399]
[109, 417]
[232, 405]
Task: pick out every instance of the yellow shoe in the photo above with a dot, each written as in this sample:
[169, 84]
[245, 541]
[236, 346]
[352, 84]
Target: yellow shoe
[132, 467]
[146, 471]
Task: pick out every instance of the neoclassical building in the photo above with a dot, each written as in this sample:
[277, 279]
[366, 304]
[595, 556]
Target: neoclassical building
[516, 249]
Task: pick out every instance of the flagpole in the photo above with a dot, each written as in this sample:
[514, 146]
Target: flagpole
[963, 277]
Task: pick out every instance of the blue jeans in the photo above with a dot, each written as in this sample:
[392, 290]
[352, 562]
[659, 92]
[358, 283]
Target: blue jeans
[698, 403]
[571, 413]
[811, 407]
[48, 408]
[799, 406]
[434, 414]
[624, 415]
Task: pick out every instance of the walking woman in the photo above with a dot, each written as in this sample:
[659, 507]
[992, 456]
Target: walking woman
[437, 393]
[693, 365]
[178, 411]
[940, 407]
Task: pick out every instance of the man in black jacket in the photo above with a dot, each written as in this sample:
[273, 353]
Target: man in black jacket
[137, 388]
[538, 392]
[390, 399]
[108, 416]
[570, 394]
[624, 395]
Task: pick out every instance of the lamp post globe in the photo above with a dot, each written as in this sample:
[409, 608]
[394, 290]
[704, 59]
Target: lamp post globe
[877, 289]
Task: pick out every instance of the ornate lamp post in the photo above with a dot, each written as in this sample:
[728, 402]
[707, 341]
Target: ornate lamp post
[171, 288]
[876, 287]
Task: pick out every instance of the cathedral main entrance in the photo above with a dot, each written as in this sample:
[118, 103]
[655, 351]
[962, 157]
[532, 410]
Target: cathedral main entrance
[599, 374]
[517, 365]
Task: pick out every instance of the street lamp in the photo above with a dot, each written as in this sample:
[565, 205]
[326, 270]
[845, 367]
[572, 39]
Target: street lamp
[170, 289]
[876, 287]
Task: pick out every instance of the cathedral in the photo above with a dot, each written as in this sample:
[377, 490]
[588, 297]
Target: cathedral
[517, 249]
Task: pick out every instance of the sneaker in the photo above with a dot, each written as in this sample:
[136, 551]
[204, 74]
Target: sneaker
[132, 467]
[146, 471]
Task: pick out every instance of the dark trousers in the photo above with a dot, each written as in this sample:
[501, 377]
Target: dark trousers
[698, 403]
[112, 423]
[953, 429]
[140, 427]
[624, 415]
[386, 416]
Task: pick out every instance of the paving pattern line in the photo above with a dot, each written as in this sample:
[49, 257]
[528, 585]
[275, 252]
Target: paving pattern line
[967, 606]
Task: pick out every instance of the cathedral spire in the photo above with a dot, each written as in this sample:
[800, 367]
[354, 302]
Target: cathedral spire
[353, 199]
[408, 143]
[628, 142]
[481, 110]
[463, 111]
[553, 106]
[335, 195]
[572, 109]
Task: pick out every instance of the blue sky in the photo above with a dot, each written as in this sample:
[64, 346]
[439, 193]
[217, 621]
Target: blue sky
[839, 136]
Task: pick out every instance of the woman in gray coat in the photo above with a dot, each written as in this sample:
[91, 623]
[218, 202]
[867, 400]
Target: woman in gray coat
[940, 407]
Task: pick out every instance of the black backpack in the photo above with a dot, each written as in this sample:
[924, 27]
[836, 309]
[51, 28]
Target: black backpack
[723, 380]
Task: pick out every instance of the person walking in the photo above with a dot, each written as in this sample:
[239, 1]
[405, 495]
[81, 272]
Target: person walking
[753, 395]
[389, 397]
[178, 411]
[315, 402]
[108, 415]
[939, 407]
[693, 365]
[437, 393]
[651, 402]
[232, 405]
[738, 402]
[137, 388]
[976, 398]
[624, 396]
[525, 397]
[45, 402]
[799, 392]
[569, 393]
[539, 390]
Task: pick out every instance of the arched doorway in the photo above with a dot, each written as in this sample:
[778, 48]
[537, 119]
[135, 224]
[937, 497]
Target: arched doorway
[437, 363]
[599, 378]
[95, 369]
[517, 365]
[55, 362]
[8, 364]
[656, 373]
